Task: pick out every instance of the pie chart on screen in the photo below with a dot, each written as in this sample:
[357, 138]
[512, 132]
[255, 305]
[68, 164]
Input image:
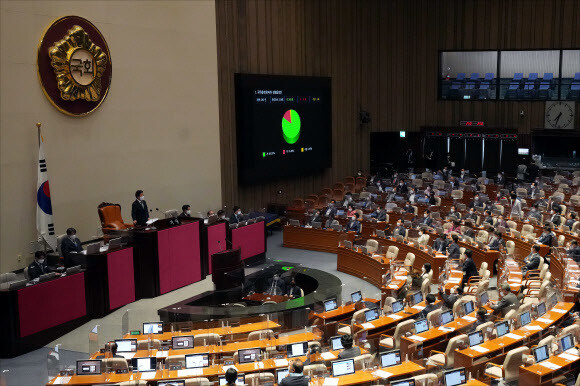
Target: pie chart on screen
[291, 126]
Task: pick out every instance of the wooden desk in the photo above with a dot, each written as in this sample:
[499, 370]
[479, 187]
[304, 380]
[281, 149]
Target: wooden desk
[323, 240]
[539, 374]
[496, 349]
[260, 297]
[341, 313]
[369, 268]
[404, 370]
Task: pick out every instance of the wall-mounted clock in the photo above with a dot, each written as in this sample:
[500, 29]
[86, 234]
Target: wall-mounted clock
[559, 115]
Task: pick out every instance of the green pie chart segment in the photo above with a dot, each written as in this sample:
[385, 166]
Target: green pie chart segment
[291, 126]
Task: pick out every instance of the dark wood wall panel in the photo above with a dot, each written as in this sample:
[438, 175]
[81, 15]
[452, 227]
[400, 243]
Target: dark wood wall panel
[382, 56]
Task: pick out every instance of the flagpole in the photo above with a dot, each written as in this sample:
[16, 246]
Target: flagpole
[38, 124]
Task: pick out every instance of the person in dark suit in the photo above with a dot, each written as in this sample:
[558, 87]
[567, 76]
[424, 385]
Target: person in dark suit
[185, 211]
[547, 237]
[453, 251]
[496, 242]
[488, 217]
[353, 224]
[571, 220]
[110, 347]
[469, 268]
[316, 217]
[295, 376]
[38, 267]
[408, 208]
[293, 290]
[236, 217]
[349, 350]
[402, 189]
[573, 251]
[400, 229]
[535, 213]
[231, 376]
[476, 202]
[139, 210]
[508, 301]
[471, 215]
[533, 259]
[330, 210]
[455, 294]
[555, 219]
[379, 214]
[70, 245]
[430, 300]
[500, 179]
[427, 220]
[440, 244]
[481, 316]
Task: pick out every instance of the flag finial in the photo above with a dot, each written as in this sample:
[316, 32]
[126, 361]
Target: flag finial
[38, 124]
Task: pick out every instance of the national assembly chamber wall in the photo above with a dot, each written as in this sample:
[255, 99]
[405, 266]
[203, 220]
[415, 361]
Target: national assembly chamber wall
[383, 58]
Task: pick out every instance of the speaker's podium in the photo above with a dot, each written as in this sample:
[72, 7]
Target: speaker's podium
[228, 269]
[167, 256]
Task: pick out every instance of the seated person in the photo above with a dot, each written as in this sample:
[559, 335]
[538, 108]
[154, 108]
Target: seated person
[573, 251]
[432, 200]
[293, 290]
[408, 208]
[236, 217]
[412, 196]
[469, 269]
[348, 350]
[455, 227]
[69, 246]
[38, 267]
[330, 210]
[423, 238]
[508, 301]
[316, 217]
[401, 189]
[532, 260]
[555, 219]
[454, 213]
[497, 241]
[427, 220]
[379, 214]
[481, 316]
[534, 192]
[547, 237]
[221, 214]
[453, 250]
[455, 294]
[350, 211]
[471, 215]
[501, 222]
[353, 224]
[418, 278]
[295, 376]
[476, 202]
[535, 213]
[488, 217]
[210, 213]
[571, 220]
[440, 244]
[185, 211]
[110, 347]
[400, 229]
[231, 376]
[430, 305]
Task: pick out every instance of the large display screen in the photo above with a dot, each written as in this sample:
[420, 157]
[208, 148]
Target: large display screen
[283, 126]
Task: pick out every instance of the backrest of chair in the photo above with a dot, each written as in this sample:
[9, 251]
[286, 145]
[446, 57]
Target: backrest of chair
[410, 260]
[513, 360]
[206, 339]
[547, 340]
[524, 307]
[484, 326]
[110, 215]
[457, 306]
[561, 240]
[482, 268]
[425, 287]
[312, 370]
[361, 361]
[256, 379]
[7, 277]
[372, 245]
[527, 229]
[59, 239]
[543, 293]
[426, 380]
[175, 360]
[541, 263]
[401, 329]
[115, 364]
[511, 224]
[392, 252]
[572, 329]
[359, 316]
[197, 382]
[482, 236]
[389, 300]
[144, 344]
[261, 335]
[454, 343]
[433, 317]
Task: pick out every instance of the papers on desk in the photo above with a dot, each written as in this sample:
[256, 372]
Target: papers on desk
[417, 338]
[568, 357]
[148, 375]
[189, 372]
[330, 382]
[395, 316]
[61, 380]
[573, 351]
[327, 356]
[446, 329]
[258, 365]
[151, 221]
[129, 355]
[420, 308]
[513, 336]
[479, 349]
[454, 280]
[533, 328]
[550, 365]
[543, 320]
[368, 325]
[469, 318]
[280, 362]
[559, 310]
[162, 354]
[393, 286]
[382, 374]
[514, 280]
[401, 277]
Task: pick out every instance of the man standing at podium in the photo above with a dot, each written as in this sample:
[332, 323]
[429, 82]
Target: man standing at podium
[139, 211]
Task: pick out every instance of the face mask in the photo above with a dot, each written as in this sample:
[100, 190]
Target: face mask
[425, 215]
[223, 217]
[41, 261]
[141, 198]
[188, 211]
[239, 212]
[73, 237]
[420, 233]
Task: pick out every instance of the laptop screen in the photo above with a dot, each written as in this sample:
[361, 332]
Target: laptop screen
[502, 328]
[455, 377]
[281, 374]
[541, 353]
[88, 367]
[240, 381]
[296, 349]
[417, 297]
[421, 325]
[177, 382]
[525, 318]
[483, 298]
[144, 364]
[475, 338]
[342, 367]
[391, 358]
[335, 343]
[372, 314]
[446, 317]
[554, 299]
[126, 345]
[330, 305]
[397, 306]
[194, 361]
[468, 307]
[356, 297]
[249, 355]
[403, 382]
[182, 342]
[567, 342]
[541, 309]
[153, 328]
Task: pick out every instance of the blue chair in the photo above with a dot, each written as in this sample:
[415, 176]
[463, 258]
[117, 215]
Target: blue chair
[574, 92]
[460, 76]
[489, 76]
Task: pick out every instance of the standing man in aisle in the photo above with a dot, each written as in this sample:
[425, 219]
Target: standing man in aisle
[139, 210]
